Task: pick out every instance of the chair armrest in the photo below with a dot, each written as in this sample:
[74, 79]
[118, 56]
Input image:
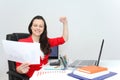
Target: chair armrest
[17, 75]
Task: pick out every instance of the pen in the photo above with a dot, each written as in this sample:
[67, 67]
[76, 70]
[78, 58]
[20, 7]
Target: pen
[65, 59]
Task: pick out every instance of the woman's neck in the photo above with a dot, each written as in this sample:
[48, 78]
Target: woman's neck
[35, 38]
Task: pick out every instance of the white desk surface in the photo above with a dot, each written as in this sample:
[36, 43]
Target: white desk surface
[112, 65]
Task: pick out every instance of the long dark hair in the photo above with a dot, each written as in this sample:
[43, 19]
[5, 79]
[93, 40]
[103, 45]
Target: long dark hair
[44, 44]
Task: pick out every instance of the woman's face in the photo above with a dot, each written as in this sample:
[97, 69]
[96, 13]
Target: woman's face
[37, 27]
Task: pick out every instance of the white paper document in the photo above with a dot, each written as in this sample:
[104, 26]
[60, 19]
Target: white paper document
[52, 75]
[22, 51]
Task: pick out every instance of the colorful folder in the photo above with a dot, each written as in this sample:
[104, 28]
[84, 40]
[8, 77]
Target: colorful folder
[96, 78]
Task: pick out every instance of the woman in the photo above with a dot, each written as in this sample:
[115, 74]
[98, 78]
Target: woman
[38, 33]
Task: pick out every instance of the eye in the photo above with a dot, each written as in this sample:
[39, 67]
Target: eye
[35, 25]
[41, 26]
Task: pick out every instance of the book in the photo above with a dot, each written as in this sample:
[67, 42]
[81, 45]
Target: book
[110, 74]
[90, 76]
[91, 69]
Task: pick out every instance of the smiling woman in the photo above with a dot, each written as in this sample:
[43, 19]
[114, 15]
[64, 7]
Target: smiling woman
[38, 33]
[37, 27]
[89, 22]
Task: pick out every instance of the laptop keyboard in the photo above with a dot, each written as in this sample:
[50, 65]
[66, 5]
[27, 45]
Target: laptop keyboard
[74, 64]
[78, 63]
[87, 62]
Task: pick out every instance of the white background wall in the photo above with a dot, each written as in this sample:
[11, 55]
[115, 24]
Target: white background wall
[89, 22]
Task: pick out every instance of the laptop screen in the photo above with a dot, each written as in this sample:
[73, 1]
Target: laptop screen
[99, 57]
[54, 53]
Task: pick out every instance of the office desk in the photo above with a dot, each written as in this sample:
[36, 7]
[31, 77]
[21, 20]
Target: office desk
[112, 65]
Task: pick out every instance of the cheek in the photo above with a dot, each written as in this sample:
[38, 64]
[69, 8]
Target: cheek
[33, 28]
[42, 29]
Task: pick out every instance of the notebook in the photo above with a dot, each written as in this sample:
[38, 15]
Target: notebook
[92, 69]
[81, 63]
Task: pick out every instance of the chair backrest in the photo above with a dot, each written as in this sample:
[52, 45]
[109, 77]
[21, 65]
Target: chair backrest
[16, 36]
[11, 64]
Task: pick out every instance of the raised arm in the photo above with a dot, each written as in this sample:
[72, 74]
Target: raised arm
[65, 27]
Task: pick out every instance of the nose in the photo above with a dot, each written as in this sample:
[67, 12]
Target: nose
[38, 27]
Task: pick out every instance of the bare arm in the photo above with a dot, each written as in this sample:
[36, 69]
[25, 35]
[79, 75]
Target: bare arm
[65, 27]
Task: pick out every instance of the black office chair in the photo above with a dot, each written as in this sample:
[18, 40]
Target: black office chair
[12, 73]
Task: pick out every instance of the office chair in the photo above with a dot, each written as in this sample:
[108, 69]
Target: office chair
[12, 73]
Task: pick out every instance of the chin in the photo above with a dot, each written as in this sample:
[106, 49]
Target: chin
[37, 34]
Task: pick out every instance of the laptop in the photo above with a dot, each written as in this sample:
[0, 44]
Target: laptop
[80, 63]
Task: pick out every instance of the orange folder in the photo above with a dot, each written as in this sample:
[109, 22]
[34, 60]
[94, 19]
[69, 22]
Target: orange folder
[92, 69]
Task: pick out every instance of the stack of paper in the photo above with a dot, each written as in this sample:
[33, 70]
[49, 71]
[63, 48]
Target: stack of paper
[91, 72]
[22, 51]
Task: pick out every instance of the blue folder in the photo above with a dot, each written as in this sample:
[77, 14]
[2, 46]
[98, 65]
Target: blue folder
[97, 78]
